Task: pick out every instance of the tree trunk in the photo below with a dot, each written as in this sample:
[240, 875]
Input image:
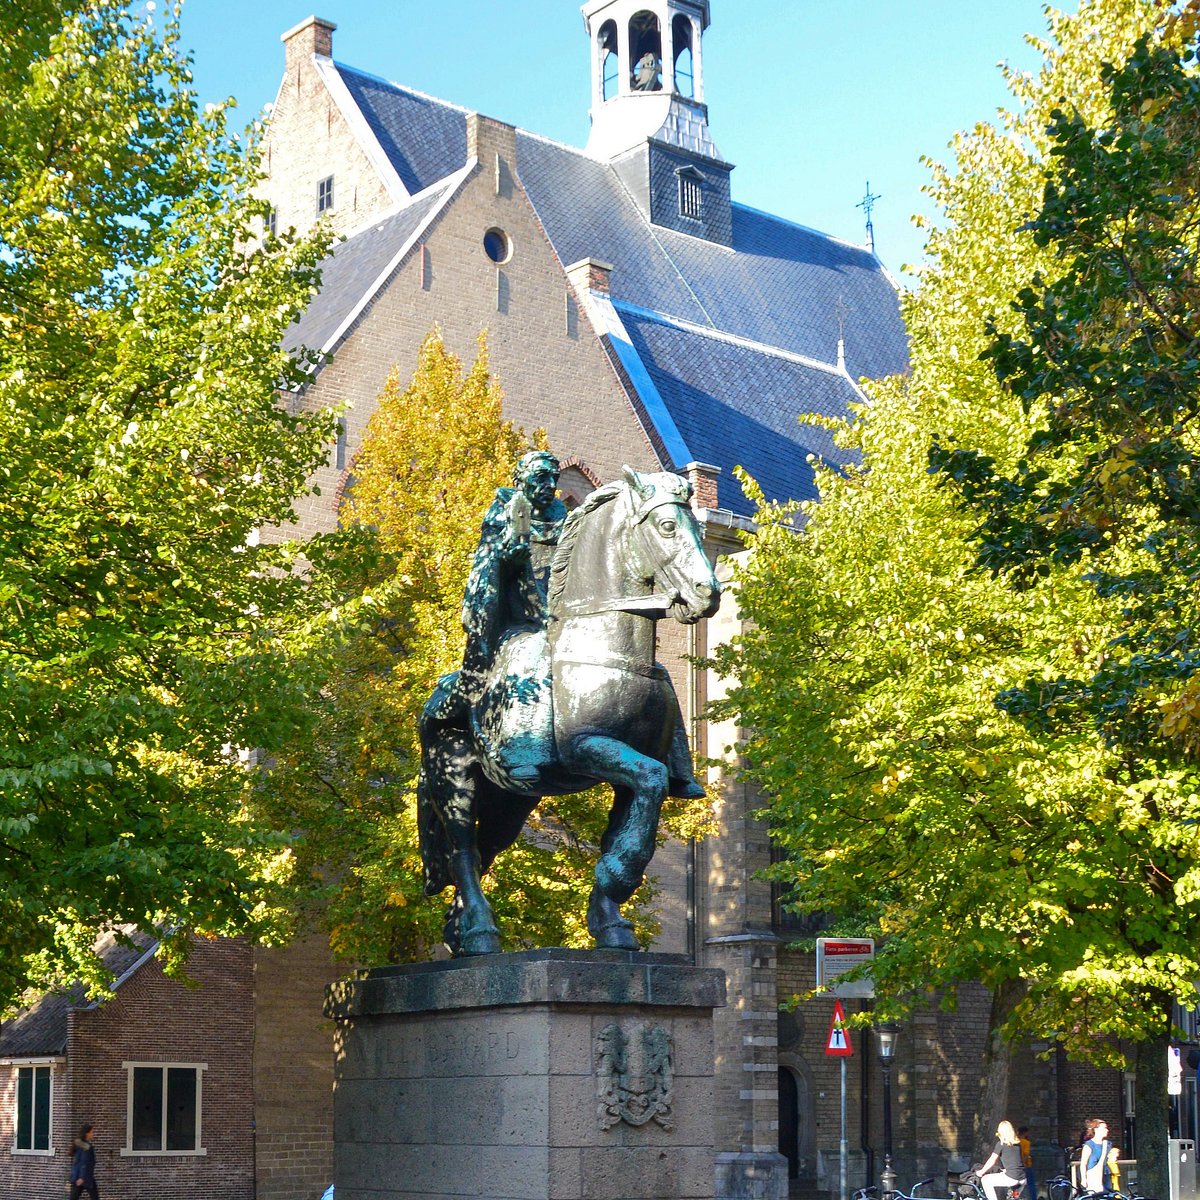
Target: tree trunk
[1152, 1110]
[996, 1068]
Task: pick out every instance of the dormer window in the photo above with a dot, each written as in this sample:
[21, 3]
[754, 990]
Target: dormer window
[325, 195]
[691, 193]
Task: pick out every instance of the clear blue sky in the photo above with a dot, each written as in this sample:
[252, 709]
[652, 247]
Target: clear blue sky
[809, 98]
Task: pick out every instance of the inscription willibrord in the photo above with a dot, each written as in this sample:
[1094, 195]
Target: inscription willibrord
[634, 1076]
[449, 1051]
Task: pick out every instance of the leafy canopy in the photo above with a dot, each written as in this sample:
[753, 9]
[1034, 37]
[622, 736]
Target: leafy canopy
[141, 445]
[906, 801]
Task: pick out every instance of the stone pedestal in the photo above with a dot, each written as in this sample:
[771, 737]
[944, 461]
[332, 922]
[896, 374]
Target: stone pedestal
[542, 1075]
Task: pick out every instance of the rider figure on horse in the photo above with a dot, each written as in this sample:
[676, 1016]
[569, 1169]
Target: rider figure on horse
[506, 591]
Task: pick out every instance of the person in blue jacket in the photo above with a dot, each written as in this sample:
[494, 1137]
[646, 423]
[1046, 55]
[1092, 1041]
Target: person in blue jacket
[83, 1165]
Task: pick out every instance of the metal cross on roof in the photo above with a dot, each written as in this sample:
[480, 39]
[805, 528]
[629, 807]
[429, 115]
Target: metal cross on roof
[868, 202]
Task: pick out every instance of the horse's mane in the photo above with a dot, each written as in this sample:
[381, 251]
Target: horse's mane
[560, 565]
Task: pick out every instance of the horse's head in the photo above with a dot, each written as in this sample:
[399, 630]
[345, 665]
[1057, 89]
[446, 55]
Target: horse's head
[669, 546]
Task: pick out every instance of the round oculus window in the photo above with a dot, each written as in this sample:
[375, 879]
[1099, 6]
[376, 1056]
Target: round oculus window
[497, 245]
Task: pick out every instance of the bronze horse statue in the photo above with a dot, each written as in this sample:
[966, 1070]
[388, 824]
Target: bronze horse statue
[566, 706]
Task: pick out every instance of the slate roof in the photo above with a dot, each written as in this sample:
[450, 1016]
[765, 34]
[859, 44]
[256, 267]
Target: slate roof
[780, 285]
[41, 1029]
[425, 139]
[355, 266]
[787, 288]
[738, 406]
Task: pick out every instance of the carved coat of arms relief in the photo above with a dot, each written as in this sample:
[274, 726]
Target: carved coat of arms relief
[634, 1078]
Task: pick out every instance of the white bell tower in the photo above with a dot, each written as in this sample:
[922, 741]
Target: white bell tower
[647, 75]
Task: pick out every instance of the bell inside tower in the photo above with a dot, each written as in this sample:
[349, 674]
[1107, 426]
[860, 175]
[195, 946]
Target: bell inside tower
[647, 77]
[645, 52]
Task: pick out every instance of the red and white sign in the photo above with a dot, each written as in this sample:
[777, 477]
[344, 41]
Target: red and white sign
[837, 956]
[837, 1045]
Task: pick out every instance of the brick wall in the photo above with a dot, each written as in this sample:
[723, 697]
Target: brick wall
[154, 1019]
[308, 140]
[935, 1087]
[553, 370]
[1086, 1091]
[35, 1176]
[293, 1070]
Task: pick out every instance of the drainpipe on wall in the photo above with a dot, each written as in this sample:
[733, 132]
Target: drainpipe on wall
[693, 720]
[864, 1099]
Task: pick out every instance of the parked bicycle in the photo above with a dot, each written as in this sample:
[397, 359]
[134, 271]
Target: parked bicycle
[1063, 1188]
[919, 1192]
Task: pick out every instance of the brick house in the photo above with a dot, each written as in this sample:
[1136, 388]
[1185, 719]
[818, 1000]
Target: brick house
[218, 1087]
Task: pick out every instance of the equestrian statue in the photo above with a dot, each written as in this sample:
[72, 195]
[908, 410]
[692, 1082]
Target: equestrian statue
[559, 687]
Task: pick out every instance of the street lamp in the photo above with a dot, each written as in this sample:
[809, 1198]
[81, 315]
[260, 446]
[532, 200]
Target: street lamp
[885, 1036]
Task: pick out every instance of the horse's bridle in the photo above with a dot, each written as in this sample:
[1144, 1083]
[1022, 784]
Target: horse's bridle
[655, 601]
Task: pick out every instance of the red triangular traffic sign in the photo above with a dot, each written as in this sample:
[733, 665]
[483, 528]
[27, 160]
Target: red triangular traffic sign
[837, 1045]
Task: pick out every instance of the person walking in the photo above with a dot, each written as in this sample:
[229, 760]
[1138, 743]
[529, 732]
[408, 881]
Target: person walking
[83, 1165]
[1006, 1153]
[1027, 1162]
[1094, 1175]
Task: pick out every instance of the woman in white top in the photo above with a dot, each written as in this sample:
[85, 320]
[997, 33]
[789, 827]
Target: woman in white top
[1006, 1153]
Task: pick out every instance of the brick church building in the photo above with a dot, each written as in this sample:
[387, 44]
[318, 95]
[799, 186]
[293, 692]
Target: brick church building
[641, 316]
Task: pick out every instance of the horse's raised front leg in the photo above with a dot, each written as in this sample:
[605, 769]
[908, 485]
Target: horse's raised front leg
[639, 783]
[477, 932]
[609, 929]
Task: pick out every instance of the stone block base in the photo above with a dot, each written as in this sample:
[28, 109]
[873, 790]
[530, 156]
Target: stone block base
[544, 1075]
[752, 1176]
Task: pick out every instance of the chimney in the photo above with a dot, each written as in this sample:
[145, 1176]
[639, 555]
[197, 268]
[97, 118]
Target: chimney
[703, 478]
[590, 275]
[314, 35]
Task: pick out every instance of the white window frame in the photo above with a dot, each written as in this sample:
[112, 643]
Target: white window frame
[324, 192]
[691, 194]
[17, 1064]
[127, 1151]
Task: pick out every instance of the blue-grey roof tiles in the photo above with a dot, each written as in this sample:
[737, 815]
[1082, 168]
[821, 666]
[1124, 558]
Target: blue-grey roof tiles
[781, 285]
[425, 139]
[737, 406]
[41, 1029]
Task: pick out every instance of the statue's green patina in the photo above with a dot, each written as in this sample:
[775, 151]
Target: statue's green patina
[559, 687]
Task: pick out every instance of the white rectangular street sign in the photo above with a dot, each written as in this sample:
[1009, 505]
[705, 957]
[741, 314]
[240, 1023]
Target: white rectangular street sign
[836, 956]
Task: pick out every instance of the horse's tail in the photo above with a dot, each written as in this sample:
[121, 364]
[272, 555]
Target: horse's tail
[431, 802]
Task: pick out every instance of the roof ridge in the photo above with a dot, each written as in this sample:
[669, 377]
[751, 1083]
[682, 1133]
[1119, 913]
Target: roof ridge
[582, 153]
[830, 237]
[722, 335]
[549, 141]
[401, 87]
[412, 91]
[409, 201]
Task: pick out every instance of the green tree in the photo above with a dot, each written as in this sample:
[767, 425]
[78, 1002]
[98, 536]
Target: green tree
[433, 455]
[141, 446]
[1107, 364]
[977, 846]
